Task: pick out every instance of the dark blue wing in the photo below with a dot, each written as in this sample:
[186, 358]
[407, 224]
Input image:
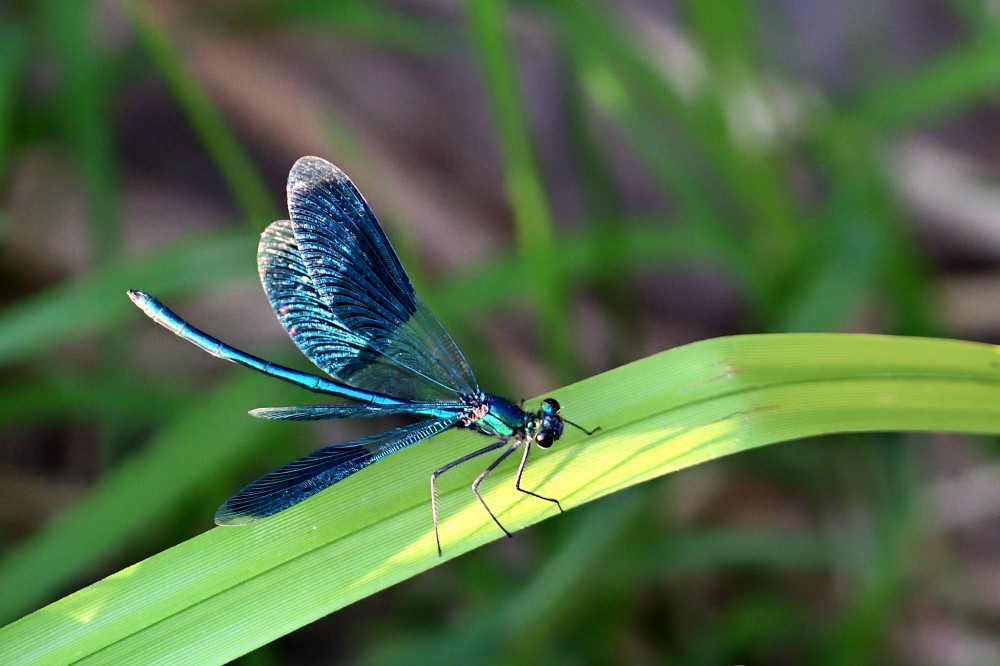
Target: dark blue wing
[310, 321]
[357, 316]
[303, 478]
[318, 329]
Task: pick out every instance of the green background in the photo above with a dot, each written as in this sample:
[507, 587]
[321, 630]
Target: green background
[572, 186]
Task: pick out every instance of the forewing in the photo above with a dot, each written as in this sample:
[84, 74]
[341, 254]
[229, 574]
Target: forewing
[311, 323]
[303, 478]
[356, 273]
[318, 331]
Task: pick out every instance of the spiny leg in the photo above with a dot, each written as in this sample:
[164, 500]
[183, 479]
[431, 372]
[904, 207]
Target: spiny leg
[520, 470]
[479, 479]
[434, 510]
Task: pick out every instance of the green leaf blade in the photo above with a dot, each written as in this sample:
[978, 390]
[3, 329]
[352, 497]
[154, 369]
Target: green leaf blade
[230, 590]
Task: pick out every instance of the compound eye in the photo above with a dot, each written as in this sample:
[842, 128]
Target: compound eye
[544, 439]
[553, 406]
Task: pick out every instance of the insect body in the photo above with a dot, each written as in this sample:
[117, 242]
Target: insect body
[339, 290]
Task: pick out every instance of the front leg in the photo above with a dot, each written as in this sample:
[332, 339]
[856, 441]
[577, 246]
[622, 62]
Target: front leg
[520, 470]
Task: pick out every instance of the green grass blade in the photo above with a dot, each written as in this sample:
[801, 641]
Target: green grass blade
[122, 506]
[380, 26]
[755, 178]
[228, 591]
[14, 59]
[85, 116]
[492, 631]
[949, 84]
[525, 188]
[222, 145]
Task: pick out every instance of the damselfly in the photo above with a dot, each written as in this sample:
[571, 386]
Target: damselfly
[339, 290]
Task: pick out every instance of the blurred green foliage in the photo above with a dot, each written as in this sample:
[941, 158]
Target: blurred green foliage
[768, 177]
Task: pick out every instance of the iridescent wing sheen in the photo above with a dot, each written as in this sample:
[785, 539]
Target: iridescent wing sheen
[318, 330]
[310, 322]
[303, 478]
[359, 316]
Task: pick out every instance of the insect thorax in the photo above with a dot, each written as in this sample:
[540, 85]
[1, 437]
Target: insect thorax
[497, 417]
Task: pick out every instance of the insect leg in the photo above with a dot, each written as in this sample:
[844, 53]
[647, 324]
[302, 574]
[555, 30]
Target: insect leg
[474, 454]
[517, 479]
[479, 479]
